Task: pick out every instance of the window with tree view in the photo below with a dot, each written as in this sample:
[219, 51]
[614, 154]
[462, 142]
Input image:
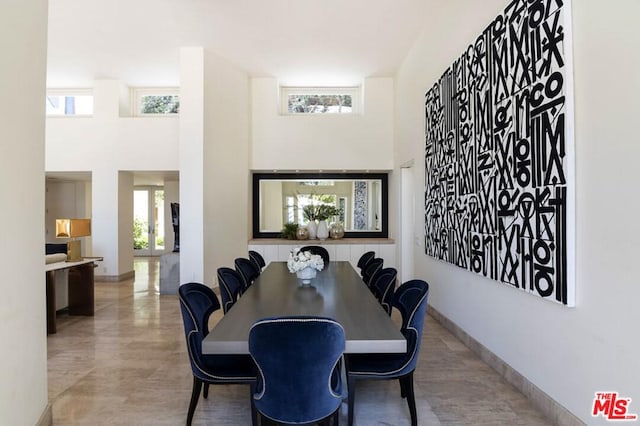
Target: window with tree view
[320, 104]
[159, 104]
[319, 100]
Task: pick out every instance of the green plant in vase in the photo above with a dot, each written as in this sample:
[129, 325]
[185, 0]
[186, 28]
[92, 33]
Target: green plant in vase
[289, 231]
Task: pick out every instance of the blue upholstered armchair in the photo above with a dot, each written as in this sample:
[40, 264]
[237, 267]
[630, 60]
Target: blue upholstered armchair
[231, 287]
[364, 260]
[383, 285]
[298, 359]
[372, 268]
[257, 258]
[197, 303]
[411, 300]
[320, 251]
[247, 270]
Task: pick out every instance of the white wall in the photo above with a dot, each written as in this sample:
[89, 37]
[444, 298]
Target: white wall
[104, 145]
[329, 142]
[23, 370]
[570, 353]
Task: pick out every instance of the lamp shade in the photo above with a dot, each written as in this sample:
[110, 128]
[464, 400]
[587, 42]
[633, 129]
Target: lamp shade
[71, 228]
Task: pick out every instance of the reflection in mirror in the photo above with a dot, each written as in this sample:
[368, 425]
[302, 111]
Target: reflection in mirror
[357, 201]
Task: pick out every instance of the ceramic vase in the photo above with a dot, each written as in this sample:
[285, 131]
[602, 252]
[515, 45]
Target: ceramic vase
[306, 275]
[323, 230]
[312, 229]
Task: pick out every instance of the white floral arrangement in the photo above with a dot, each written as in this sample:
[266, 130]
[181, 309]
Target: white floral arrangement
[298, 260]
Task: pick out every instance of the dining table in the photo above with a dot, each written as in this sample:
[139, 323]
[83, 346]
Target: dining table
[337, 292]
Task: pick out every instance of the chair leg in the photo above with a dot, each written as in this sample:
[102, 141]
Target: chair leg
[403, 391]
[351, 388]
[411, 399]
[195, 394]
[254, 414]
[205, 393]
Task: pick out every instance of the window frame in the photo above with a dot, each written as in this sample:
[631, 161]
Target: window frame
[353, 91]
[257, 177]
[137, 93]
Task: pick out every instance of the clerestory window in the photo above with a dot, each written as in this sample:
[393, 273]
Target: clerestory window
[320, 100]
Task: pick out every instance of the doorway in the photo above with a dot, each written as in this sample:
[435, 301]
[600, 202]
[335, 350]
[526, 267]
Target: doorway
[148, 221]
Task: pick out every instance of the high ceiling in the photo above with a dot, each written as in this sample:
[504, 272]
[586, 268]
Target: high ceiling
[300, 42]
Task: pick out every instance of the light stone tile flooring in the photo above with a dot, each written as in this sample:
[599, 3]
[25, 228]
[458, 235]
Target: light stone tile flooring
[128, 365]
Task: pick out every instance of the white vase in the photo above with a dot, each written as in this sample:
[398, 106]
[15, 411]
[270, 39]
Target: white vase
[312, 229]
[323, 230]
[306, 275]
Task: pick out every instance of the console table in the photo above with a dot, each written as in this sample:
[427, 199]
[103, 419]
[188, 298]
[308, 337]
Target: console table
[80, 290]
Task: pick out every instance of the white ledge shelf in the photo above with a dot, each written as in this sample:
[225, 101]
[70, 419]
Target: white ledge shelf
[328, 241]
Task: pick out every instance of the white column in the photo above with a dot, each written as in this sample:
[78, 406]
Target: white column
[23, 370]
[191, 164]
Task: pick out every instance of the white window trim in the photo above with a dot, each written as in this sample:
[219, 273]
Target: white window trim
[70, 92]
[138, 92]
[354, 91]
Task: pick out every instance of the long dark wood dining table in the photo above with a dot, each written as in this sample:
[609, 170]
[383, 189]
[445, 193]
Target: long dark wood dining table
[336, 292]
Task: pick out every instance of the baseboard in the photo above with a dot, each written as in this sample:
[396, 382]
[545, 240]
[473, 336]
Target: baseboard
[46, 419]
[115, 278]
[547, 405]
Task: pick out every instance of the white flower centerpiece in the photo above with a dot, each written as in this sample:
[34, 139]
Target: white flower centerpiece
[304, 264]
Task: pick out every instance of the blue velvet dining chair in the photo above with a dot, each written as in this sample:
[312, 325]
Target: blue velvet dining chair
[247, 270]
[371, 270]
[364, 260]
[257, 259]
[297, 359]
[320, 251]
[231, 287]
[197, 303]
[411, 300]
[383, 285]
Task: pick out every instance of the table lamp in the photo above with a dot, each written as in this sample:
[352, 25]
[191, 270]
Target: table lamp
[73, 228]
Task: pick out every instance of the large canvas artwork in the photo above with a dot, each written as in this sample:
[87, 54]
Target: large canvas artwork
[499, 153]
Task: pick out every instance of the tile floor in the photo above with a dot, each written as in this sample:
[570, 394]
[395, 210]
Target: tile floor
[128, 365]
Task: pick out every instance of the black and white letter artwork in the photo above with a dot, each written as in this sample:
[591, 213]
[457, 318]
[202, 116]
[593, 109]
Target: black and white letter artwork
[499, 153]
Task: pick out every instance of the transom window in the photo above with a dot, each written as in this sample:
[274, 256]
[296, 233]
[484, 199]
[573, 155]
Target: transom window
[320, 100]
[156, 101]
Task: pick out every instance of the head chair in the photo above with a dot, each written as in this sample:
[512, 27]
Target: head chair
[297, 356]
[320, 251]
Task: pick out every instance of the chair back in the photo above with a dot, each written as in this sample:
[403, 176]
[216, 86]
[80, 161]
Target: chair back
[365, 259]
[383, 285]
[231, 286]
[411, 300]
[197, 303]
[320, 251]
[247, 270]
[371, 270]
[257, 258]
[296, 356]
